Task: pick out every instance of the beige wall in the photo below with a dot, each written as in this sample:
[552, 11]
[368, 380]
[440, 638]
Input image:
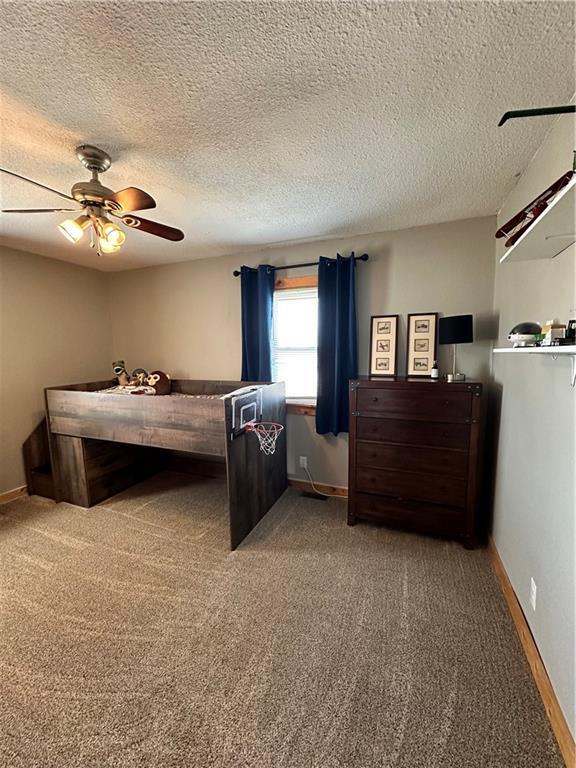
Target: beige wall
[61, 323]
[54, 329]
[535, 499]
[185, 318]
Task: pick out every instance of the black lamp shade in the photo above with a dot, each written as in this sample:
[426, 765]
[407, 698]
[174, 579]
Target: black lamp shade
[455, 330]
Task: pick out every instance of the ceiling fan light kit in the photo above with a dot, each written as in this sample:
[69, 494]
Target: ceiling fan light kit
[73, 229]
[107, 247]
[112, 234]
[97, 203]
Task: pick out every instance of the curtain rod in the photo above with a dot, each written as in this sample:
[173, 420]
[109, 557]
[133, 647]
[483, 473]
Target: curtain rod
[364, 257]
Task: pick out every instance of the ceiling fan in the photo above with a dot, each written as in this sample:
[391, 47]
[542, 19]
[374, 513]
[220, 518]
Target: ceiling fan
[97, 203]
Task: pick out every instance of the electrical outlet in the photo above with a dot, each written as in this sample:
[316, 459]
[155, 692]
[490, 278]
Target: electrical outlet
[533, 590]
[304, 462]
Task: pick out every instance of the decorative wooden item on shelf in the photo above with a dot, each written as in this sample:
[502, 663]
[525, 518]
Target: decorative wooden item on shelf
[415, 456]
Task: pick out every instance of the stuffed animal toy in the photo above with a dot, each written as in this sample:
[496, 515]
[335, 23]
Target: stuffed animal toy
[120, 371]
[156, 383]
[138, 376]
[160, 382]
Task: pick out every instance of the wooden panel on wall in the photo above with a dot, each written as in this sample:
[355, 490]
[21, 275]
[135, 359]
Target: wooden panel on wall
[255, 480]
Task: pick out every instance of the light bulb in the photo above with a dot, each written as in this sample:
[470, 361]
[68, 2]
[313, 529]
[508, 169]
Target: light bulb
[113, 234]
[106, 247]
[73, 229]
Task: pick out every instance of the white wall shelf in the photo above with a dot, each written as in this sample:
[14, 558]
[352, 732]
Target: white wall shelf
[565, 350]
[551, 233]
[554, 352]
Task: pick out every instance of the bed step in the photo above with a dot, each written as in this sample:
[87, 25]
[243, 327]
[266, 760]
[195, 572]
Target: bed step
[36, 454]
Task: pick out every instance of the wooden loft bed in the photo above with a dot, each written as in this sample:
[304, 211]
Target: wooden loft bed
[103, 442]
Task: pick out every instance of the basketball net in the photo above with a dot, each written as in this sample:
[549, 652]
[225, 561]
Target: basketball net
[267, 434]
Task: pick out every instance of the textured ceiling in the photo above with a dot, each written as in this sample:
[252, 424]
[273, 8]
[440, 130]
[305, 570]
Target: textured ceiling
[261, 122]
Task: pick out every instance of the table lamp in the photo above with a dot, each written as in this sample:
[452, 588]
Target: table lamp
[455, 330]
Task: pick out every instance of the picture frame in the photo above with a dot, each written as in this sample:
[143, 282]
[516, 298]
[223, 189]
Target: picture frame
[383, 345]
[421, 344]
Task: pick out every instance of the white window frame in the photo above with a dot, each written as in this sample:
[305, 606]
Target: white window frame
[295, 283]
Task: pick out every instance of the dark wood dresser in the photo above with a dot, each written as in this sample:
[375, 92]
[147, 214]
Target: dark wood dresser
[415, 455]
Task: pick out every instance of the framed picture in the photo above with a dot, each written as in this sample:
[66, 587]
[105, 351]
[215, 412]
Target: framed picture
[421, 343]
[383, 345]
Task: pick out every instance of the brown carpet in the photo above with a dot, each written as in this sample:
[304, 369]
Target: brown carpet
[130, 636]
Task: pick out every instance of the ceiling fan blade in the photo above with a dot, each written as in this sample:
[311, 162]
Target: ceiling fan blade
[39, 210]
[36, 184]
[152, 227]
[132, 199]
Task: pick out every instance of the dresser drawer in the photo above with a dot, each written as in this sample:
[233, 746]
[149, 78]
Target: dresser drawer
[411, 515]
[439, 489]
[439, 405]
[413, 432]
[436, 461]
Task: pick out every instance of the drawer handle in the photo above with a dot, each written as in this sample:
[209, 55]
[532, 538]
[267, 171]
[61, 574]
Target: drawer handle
[374, 399]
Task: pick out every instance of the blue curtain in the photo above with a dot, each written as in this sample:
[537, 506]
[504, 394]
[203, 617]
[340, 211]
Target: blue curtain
[337, 342]
[257, 301]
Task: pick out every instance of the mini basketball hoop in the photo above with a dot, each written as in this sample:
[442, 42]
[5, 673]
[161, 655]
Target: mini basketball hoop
[267, 433]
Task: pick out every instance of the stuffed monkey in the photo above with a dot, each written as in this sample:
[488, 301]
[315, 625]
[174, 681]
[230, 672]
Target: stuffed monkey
[156, 383]
[160, 382]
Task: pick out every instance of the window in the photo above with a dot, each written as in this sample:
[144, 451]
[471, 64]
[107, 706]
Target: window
[295, 337]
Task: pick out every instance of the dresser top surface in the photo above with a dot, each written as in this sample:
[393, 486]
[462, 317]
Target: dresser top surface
[414, 381]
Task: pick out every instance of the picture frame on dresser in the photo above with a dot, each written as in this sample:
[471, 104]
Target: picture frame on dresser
[421, 343]
[383, 345]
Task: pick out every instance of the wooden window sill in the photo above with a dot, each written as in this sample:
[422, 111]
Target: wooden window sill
[302, 407]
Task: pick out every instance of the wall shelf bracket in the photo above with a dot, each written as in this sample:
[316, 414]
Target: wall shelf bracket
[554, 352]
